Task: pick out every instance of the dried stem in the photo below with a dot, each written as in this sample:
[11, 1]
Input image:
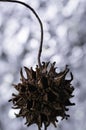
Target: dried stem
[41, 26]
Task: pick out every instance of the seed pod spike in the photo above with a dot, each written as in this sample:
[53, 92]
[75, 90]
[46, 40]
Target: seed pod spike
[22, 77]
[14, 85]
[45, 127]
[9, 100]
[16, 107]
[47, 63]
[17, 115]
[39, 128]
[29, 124]
[71, 76]
[28, 72]
[53, 122]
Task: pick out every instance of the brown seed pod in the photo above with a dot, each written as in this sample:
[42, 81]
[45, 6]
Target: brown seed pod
[43, 95]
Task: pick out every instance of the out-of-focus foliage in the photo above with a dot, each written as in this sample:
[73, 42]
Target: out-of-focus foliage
[64, 42]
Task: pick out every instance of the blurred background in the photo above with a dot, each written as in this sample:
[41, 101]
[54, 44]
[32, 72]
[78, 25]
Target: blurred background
[64, 24]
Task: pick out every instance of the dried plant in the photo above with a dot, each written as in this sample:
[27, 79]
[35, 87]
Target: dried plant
[44, 94]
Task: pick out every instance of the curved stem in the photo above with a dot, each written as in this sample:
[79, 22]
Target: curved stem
[41, 26]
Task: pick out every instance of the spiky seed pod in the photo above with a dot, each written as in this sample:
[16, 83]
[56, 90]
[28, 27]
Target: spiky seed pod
[43, 95]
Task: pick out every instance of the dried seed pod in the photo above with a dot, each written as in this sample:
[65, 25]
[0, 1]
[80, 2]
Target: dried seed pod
[43, 95]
